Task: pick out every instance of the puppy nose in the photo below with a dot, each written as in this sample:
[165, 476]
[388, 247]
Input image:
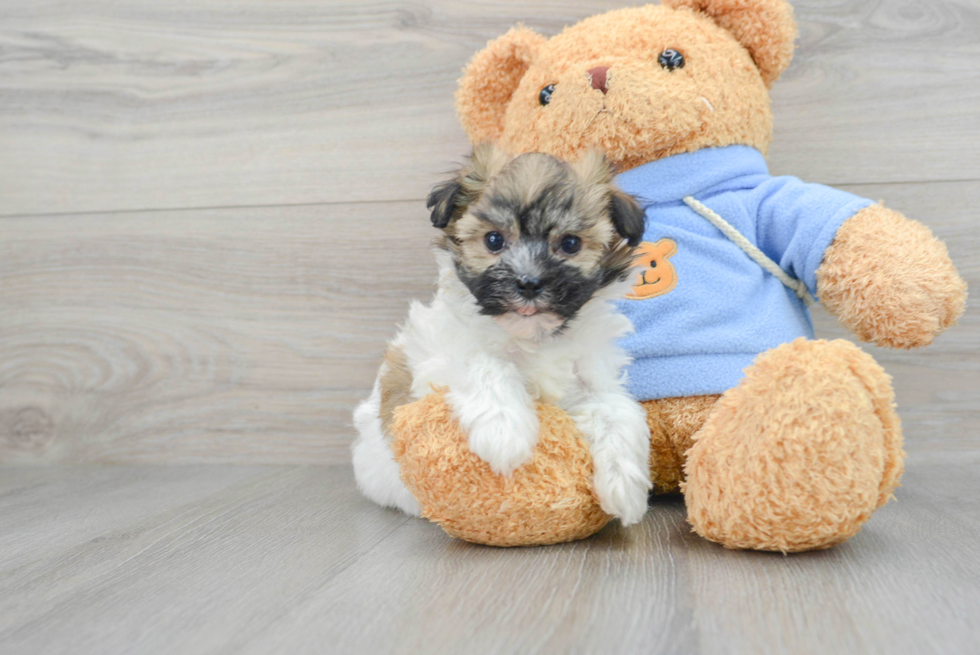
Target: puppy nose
[599, 77]
[529, 287]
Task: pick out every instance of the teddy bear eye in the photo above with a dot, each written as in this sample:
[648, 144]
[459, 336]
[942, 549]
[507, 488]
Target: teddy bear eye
[671, 59]
[545, 96]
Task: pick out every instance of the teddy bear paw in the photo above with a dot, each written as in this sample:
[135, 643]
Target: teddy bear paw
[890, 280]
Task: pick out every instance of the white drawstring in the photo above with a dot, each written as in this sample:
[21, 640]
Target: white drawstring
[759, 257]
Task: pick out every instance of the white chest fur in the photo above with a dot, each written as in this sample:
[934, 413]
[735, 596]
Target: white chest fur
[442, 339]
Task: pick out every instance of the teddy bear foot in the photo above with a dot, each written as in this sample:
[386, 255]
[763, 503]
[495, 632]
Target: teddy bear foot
[799, 454]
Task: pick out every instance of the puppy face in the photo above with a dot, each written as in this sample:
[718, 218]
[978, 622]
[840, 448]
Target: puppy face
[534, 238]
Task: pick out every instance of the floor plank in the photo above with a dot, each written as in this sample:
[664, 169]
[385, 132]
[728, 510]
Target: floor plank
[906, 584]
[188, 336]
[129, 105]
[46, 511]
[291, 559]
[186, 576]
[443, 596]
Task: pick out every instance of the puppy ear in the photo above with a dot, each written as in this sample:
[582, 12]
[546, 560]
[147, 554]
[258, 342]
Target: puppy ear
[596, 172]
[490, 80]
[448, 200]
[627, 217]
[442, 202]
[594, 168]
[764, 27]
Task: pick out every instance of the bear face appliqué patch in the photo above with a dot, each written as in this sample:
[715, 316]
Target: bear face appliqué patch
[658, 276]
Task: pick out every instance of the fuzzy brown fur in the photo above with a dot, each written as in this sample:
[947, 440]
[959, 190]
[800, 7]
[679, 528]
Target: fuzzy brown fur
[890, 281]
[808, 445]
[673, 423]
[765, 28]
[799, 454]
[718, 98]
[547, 501]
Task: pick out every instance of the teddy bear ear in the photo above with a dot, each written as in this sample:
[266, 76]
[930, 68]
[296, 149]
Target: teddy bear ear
[765, 28]
[491, 78]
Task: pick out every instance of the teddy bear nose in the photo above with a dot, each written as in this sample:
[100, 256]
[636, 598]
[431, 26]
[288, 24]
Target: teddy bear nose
[599, 77]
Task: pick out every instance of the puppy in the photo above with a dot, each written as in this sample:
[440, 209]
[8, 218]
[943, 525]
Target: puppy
[532, 254]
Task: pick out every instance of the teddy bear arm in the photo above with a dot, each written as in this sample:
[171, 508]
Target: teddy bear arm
[547, 501]
[889, 280]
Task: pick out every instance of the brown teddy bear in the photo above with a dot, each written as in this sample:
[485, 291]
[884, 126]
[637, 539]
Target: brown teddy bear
[778, 441]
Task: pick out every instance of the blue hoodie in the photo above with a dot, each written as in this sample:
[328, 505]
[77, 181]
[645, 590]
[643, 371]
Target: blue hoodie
[712, 309]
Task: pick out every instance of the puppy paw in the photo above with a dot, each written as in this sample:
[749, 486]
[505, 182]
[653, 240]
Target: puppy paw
[615, 427]
[505, 441]
[405, 501]
[622, 488]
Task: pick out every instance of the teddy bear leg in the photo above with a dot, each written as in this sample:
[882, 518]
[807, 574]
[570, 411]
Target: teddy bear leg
[799, 454]
[673, 423]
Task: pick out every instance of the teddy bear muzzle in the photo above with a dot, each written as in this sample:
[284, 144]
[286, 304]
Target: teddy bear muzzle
[599, 78]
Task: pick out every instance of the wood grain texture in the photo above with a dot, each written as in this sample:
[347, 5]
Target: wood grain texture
[136, 105]
[244, 548]
[242, 335]
[248, 335]
[292, 560]
[47, 512]
[211, 220]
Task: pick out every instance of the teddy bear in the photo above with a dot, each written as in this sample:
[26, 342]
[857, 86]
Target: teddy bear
[778, 441]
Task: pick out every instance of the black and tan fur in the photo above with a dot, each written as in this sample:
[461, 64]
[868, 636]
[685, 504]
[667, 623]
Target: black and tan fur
[395, 382]
[536, 200]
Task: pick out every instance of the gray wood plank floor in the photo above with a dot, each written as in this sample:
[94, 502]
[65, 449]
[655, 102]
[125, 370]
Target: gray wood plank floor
[211, 219]
[224, 559]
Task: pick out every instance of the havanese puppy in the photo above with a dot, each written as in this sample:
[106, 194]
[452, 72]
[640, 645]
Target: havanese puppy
[532, 255]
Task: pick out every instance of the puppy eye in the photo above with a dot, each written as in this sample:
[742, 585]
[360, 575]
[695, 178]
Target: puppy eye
[545, 96]
[571, 244]
[494, 241]
[671, 59]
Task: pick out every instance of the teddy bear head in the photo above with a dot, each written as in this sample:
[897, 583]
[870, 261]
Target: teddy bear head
[640, 83]
[655, 274]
